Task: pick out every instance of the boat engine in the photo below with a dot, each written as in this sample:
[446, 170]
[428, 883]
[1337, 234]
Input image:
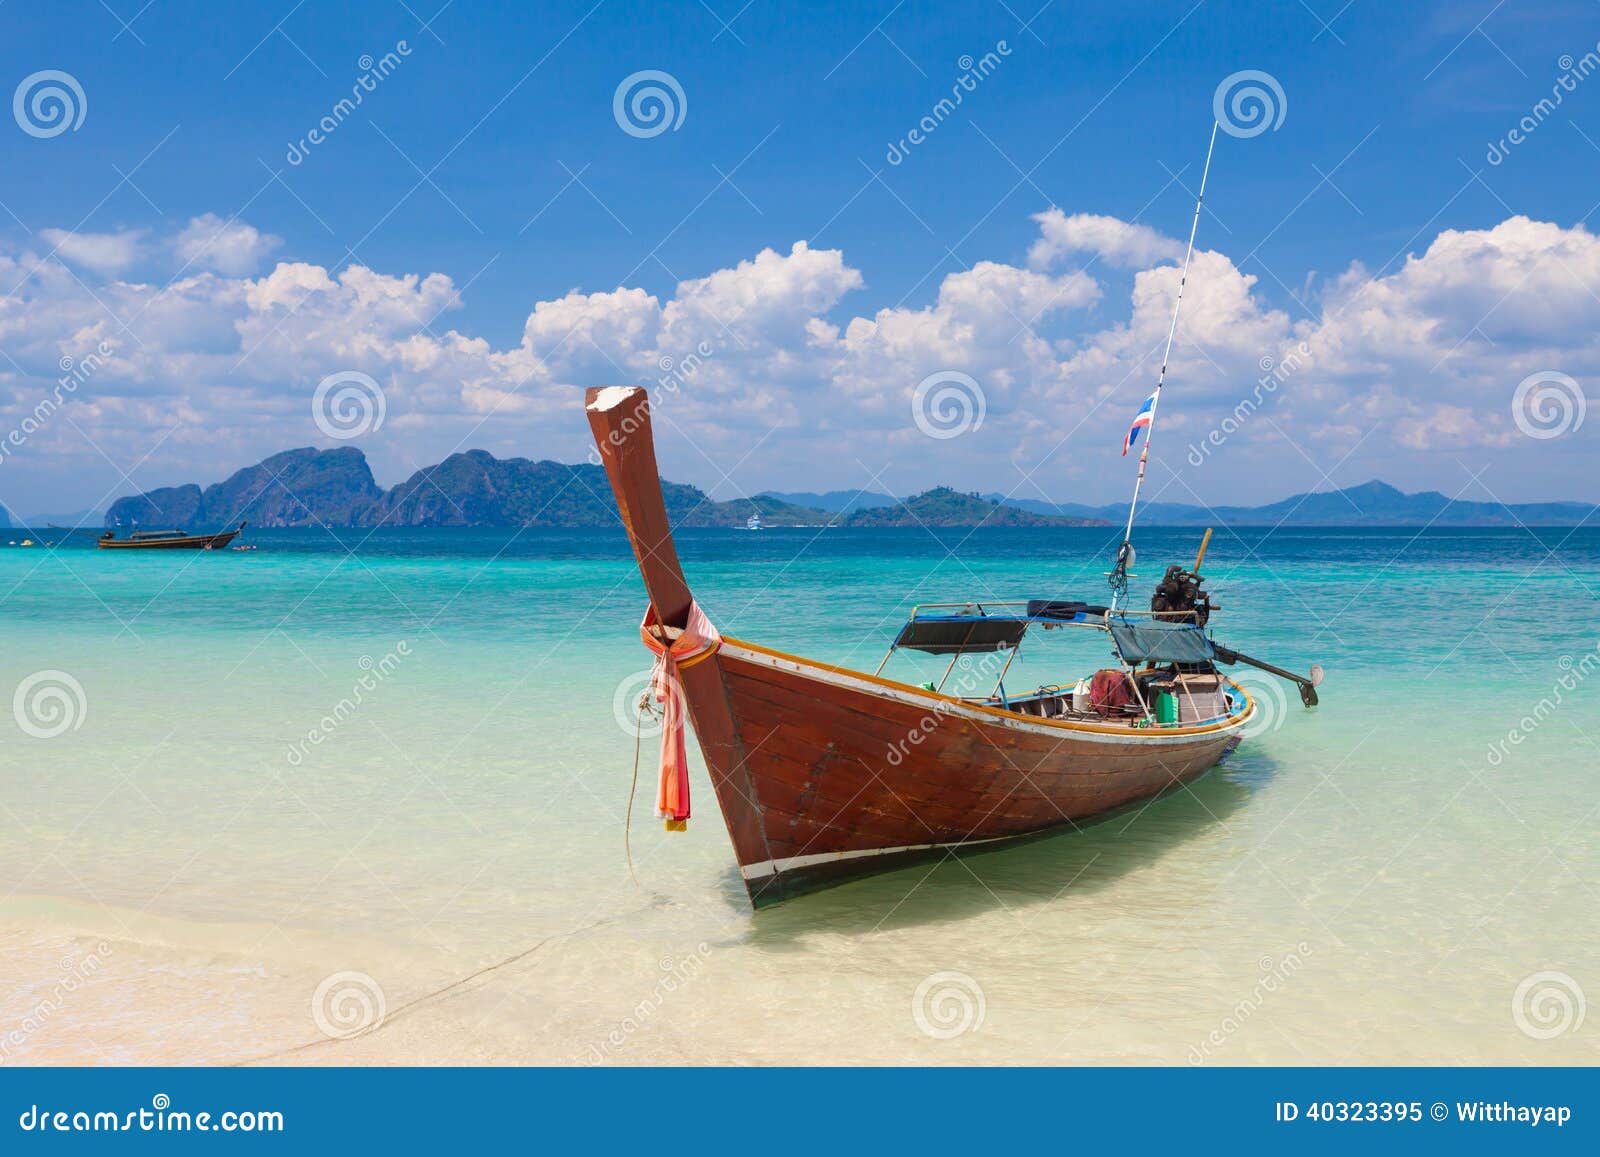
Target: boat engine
[1181, 590]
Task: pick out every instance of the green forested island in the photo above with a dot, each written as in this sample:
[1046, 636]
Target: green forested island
[312, 487]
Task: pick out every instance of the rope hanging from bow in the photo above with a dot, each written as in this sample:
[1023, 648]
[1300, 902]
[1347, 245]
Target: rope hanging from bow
[675, 650]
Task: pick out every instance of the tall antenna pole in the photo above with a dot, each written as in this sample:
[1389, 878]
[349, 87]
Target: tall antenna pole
[1119, 575]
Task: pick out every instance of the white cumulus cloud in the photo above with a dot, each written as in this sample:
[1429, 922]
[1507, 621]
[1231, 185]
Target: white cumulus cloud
[1121, 244]
[107, 254]
[782, 353]
[231, 247]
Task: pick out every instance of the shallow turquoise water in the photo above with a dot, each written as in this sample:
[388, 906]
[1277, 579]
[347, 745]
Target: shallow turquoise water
[1416, 859]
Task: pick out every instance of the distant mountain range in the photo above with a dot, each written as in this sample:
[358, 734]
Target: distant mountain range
[1370, 504]
[843, 501]
[76, 518]
[943, 506]
[335, 488]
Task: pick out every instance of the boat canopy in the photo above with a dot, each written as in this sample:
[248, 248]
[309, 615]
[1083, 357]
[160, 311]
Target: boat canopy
[956, 629]
[961, 634]
[1054, 609]
[966, 628]
[1159, 641]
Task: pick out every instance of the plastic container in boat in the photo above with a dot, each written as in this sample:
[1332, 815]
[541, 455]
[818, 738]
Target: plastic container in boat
[1166, 709]
[1080, 697]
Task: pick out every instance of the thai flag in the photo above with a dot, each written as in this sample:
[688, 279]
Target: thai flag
[1141, 421]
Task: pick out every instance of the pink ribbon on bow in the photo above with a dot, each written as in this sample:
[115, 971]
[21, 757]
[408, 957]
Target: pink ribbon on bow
[698, 640]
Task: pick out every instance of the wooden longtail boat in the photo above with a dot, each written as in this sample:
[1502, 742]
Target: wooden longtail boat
[824, 774]
[168, 540]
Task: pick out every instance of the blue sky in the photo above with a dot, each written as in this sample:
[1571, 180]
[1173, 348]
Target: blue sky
[490, 156]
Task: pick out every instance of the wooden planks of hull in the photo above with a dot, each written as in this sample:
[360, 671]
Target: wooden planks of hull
[822, 781]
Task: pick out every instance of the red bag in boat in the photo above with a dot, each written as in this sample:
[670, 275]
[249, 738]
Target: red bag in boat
[1110, 690]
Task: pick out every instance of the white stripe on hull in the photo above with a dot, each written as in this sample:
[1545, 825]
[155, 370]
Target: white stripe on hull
[772, 867]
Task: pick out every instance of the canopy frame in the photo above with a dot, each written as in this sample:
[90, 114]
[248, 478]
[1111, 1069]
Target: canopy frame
[1001, 615]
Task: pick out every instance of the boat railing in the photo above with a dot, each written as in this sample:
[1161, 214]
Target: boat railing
[1007, 611]
[1089, 619]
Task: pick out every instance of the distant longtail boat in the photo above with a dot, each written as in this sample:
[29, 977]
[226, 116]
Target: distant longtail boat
[168, 540]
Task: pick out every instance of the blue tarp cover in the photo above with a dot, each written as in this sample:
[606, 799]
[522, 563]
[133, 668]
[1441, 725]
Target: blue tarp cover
[1159, 641]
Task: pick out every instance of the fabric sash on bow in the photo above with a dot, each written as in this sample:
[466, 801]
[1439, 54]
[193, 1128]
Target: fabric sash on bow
[698, 640]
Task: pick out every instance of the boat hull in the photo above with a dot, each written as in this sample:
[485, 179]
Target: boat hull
[824, 775]
[191, 542]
